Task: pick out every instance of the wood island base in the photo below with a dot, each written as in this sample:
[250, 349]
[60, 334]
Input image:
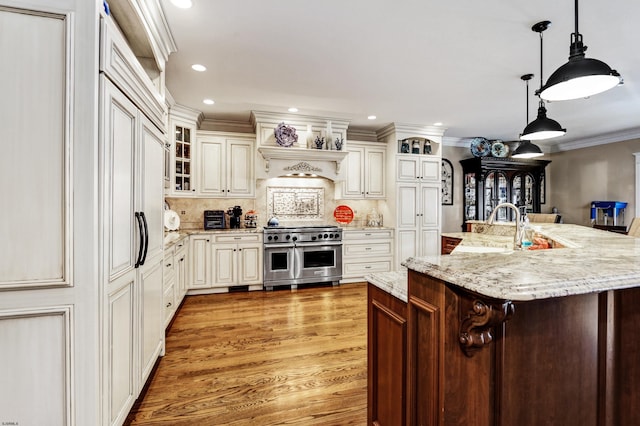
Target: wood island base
[477, 361]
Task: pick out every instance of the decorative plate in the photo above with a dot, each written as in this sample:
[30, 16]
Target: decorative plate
[480, 147]
[499, 149]
[343, 214]
[171, 220]
[285, 135]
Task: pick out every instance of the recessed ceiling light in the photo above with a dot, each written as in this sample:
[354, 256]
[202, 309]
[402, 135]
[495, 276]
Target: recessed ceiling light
[372, 117]
[293, 109]
[198, 67]
[182, 4]
[438, 123]
[208, 101]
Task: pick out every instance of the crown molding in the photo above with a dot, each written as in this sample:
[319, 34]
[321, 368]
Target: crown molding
[607, 138]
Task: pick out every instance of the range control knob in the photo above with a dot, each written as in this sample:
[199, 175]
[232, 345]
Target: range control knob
[288, 237]
[314, 238]
[269, 238]
[319, 236]
[275, 238]
[326, 236]
[295, 238]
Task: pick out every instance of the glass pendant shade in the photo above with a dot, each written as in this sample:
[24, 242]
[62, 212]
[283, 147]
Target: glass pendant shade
[542, 127]
[527, 150]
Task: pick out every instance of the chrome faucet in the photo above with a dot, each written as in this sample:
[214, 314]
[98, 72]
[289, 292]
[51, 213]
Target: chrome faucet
[517, 239]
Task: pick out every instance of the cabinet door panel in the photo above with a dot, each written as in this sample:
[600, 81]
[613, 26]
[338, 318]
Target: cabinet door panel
[407, 242]
[241, 173]
[407, 206]
[212, 168]
[119, 130]
[430, 205]
[375, 174]
[407, 169]
[250, 268]
[353, 185]
[429, 242]
[153, 185]
[151, 292]
[224, 265]
[430, 170]
[200, 266]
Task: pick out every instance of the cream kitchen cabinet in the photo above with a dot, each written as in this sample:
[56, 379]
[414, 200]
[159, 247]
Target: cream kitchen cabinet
[418, 220]
[237, 260]
[200, 264]
[365, 171]
[366, 251]
[221, 260]
[175, 260]
[226, 165]
[417, 168]
[131, 156]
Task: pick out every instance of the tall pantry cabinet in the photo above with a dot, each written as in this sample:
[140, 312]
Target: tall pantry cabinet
[414, 183]
[131, 194]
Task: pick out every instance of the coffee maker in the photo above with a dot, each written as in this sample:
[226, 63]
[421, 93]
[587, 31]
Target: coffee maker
[235, 215]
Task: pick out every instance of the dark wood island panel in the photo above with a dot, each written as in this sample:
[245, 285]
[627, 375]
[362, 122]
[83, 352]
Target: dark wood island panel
[477, 361]
[386, 352]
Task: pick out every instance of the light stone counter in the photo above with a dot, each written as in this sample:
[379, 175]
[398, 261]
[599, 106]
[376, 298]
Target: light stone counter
[591, 261]
[394, 283]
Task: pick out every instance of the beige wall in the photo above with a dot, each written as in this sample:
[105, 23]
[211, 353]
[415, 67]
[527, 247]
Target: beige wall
[599, 173]
[452, 215]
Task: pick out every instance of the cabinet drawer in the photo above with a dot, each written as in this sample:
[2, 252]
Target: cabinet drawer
[363, 268]
[238, 238]
[373, 249]
[169, 268]
[367, 234]
[168, 302]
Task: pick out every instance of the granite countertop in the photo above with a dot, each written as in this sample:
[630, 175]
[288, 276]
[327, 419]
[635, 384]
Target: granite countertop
[395, 283]
[591, 261]
[172, 237]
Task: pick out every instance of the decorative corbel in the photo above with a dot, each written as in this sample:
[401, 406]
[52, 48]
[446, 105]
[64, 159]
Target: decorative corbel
[476, 328]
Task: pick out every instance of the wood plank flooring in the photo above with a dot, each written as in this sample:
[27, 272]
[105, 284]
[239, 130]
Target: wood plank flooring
[263, 358]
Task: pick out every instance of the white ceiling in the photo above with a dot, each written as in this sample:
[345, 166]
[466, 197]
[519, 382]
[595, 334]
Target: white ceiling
[406, 61]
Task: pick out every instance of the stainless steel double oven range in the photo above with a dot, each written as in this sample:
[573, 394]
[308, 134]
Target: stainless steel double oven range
[302, 255]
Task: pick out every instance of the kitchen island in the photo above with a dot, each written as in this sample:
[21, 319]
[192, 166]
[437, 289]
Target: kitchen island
[545, 337]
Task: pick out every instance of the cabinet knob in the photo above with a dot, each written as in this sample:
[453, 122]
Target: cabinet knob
[168, 264]
[169, 305]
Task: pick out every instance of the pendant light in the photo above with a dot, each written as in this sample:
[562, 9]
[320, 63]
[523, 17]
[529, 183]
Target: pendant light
[580, 77]
[526, 149]
[542, 127]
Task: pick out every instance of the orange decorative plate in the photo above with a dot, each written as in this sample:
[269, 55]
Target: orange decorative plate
[343, 214]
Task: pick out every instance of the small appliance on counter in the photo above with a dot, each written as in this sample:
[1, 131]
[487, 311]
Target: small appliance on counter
[251, 219]
[235, 215]
[214, 219]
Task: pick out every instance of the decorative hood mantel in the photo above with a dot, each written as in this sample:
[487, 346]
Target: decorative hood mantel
[281, 161]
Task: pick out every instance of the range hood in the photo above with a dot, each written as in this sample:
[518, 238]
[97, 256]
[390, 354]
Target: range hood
[280, 161]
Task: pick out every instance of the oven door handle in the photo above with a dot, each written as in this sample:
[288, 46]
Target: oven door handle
[319, 244]
[279, 245]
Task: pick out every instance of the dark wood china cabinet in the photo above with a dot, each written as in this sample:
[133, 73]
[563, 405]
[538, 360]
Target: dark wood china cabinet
[489, 181]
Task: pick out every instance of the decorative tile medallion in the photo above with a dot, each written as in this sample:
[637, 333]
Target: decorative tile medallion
[295, 203]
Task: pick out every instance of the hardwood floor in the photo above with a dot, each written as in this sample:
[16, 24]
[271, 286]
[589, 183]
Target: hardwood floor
[263, 358]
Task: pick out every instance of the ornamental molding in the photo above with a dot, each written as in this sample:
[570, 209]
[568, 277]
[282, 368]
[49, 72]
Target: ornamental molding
[476, 331]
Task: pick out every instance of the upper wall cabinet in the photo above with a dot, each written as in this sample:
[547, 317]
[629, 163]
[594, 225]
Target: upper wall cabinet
[226, 165]
[181, 155]
[364, 171]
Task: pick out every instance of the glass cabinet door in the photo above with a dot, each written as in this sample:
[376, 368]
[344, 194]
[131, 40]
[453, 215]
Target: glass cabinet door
[523, 195]
[495, 192]
[470, 196]
[183, 158]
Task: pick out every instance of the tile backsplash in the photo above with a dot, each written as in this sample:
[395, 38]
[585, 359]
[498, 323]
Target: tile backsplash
[191, 210]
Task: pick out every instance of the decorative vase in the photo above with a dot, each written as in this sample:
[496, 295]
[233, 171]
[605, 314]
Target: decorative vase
[319, 142]
[427, 147]
[338, 144]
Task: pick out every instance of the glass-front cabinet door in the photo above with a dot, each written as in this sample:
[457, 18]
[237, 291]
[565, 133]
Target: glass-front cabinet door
[523, 195]
[496, 192]
[183, 159]
[470, 189]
